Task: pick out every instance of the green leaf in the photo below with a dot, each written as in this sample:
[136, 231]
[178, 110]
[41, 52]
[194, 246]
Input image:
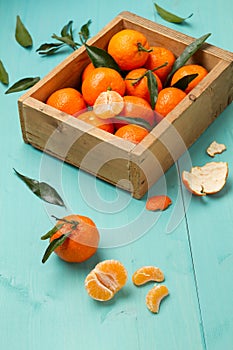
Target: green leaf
[50, 233]
[67, 40]
[101, 58]
[132, 120]
[170, 17]
[22, 35]
[152, 87]
[84, 33]
[49, 48]
[22, 84]
[67, 30]
[42, 190]
[53, 245]
[182, 83]
[4, 78]
[186, 54]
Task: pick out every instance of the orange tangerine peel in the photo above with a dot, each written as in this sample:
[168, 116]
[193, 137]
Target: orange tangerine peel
[146, 274]
[215, 148]
[155, 296]
[208, 179]
[108, 104]
[105, 280]
[160, 202]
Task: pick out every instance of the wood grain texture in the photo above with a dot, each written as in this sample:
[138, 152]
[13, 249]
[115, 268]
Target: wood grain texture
[46, 306]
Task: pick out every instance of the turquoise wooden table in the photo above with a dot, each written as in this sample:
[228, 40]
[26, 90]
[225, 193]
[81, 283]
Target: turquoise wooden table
[45, 306]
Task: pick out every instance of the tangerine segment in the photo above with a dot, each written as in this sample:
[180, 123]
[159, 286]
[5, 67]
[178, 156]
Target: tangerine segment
[158, 203]
[96, 289]
[108, 104]
[112, 270]
[105, 280]
[146, 274]
[155, 296]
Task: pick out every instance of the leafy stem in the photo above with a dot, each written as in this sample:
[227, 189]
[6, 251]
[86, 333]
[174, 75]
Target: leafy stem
[142, 48]
[55, 243]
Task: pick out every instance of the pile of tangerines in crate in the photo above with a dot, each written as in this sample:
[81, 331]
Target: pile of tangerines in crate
[132, 99]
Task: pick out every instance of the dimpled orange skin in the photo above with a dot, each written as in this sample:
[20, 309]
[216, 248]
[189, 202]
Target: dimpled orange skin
[139, 88]
[135, 107]
[132, 132]
[88, 69]
[187, 70]
[90, 118]
[82, 242]
[124, 48]
[168, 99]
[67, 100]
[99, 80]
[157, 57]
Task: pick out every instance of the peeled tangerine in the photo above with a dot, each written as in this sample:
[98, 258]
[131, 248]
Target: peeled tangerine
[208, 179]
[105, 280]
[108, 104]
[155, 296]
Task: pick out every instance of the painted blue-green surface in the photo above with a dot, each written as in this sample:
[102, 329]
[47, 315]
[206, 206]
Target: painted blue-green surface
[46, 306]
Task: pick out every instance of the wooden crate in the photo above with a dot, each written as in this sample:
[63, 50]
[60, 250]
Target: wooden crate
[134, 168]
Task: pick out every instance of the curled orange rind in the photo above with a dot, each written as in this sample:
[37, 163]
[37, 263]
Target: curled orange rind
[215, 148]
[160, 202]
[155, 296]
[105, 280]
[146, 274]
[208, 179]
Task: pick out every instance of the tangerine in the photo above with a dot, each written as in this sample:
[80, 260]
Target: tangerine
[91, 118]
[99, 80]
[105, 280]
[188, 70]
[129, 48]
[132, 132]
[68, 100]
[137, 83]
[135, 107]
[168, 98]
[157, 57]
[89, 68]
[79, 239]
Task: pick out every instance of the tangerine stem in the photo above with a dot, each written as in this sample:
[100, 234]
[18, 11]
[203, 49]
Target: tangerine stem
[142, 48]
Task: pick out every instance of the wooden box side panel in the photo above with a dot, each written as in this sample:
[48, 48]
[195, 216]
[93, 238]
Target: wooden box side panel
[85, 148]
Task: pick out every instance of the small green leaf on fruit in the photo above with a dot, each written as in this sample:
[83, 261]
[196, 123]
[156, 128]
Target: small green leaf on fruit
[42, 190]
[4, 78]
[22, 35]
[182, 83]
[131, 120]
[22, 84]
[186, 54]
[152, 87]
[101, 58]
[169, 16]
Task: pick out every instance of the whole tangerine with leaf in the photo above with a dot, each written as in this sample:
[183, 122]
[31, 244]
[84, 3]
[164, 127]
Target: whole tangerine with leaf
[157, 58]
[68, 100]
[129, 48]
[99, 80]
[134, 108]
[187, 70]
[74, 239]
[136, 83]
